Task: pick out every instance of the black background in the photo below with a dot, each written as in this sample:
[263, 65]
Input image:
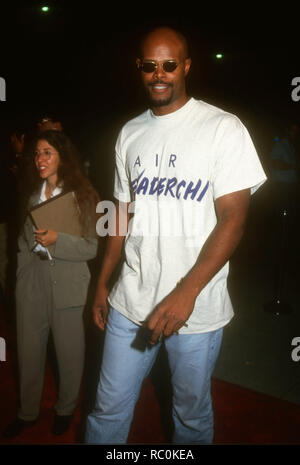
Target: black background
[78, 61]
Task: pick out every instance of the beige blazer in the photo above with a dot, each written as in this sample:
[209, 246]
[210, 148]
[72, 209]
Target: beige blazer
[70, 275]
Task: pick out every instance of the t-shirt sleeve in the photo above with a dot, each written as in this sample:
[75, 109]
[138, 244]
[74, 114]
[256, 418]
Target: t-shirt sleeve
[236, 165]
[121, 180]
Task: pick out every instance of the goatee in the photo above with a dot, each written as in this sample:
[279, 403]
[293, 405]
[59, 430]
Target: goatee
[158, 102]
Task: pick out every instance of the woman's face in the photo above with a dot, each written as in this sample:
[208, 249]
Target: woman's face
[47, 160]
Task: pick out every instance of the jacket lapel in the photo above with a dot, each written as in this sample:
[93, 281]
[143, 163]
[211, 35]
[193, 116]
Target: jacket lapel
[33, 200]
[29, 226]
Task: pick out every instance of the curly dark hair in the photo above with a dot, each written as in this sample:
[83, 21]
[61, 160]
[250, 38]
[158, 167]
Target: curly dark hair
[70, 175]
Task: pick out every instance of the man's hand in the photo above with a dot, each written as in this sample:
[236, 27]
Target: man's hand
[171, 314]
[112, 256]
[45, 237]
[100, 307]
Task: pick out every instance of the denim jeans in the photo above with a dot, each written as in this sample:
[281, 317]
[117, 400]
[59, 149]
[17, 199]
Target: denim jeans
[127, 360]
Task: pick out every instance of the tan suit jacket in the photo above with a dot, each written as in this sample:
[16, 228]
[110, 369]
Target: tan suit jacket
[70, 275]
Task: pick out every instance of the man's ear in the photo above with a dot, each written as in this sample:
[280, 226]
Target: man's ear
[187, 65]
[138, 63]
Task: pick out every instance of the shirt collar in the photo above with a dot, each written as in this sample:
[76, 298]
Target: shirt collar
[56, 191]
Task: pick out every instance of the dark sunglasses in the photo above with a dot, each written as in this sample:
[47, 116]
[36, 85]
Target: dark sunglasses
[150, 66]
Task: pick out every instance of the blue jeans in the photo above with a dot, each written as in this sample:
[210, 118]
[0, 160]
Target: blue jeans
[126, 363]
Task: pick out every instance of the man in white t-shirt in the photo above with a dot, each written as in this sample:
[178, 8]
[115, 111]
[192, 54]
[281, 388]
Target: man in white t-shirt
[184, 174]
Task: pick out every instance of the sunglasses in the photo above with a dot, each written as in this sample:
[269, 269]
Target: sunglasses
[150, 66]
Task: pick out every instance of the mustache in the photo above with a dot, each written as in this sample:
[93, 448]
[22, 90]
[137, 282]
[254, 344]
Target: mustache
[159, 82]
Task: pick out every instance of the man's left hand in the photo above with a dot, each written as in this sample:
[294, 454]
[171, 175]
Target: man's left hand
[171, 314]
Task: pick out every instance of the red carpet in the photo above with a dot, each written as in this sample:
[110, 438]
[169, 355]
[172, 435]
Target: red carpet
[241, 416]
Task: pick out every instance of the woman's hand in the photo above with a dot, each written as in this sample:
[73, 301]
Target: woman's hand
[45, 237]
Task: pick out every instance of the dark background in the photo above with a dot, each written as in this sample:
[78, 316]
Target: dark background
[78, 61]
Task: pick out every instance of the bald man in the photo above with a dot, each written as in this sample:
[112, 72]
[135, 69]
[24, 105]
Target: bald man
[46, 123]
[184, 174]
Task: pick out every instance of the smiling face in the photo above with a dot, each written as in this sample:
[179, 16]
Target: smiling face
[47, 160]
[166, 90]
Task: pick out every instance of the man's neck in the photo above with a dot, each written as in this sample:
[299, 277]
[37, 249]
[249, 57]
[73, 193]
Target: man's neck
[166, 109]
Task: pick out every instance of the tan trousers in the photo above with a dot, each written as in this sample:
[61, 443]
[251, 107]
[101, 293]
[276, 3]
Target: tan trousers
[3, 255]
[34, 321]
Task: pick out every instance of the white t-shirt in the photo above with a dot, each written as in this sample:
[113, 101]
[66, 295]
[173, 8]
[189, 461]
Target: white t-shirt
[173, 167]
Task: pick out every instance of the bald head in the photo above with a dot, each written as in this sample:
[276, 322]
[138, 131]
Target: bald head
[165, 35]
[165, 86]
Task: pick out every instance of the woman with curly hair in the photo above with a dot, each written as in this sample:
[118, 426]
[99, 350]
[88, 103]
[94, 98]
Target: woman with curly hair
[51, 288]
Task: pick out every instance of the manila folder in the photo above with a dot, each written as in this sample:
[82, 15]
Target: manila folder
[59, 213]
